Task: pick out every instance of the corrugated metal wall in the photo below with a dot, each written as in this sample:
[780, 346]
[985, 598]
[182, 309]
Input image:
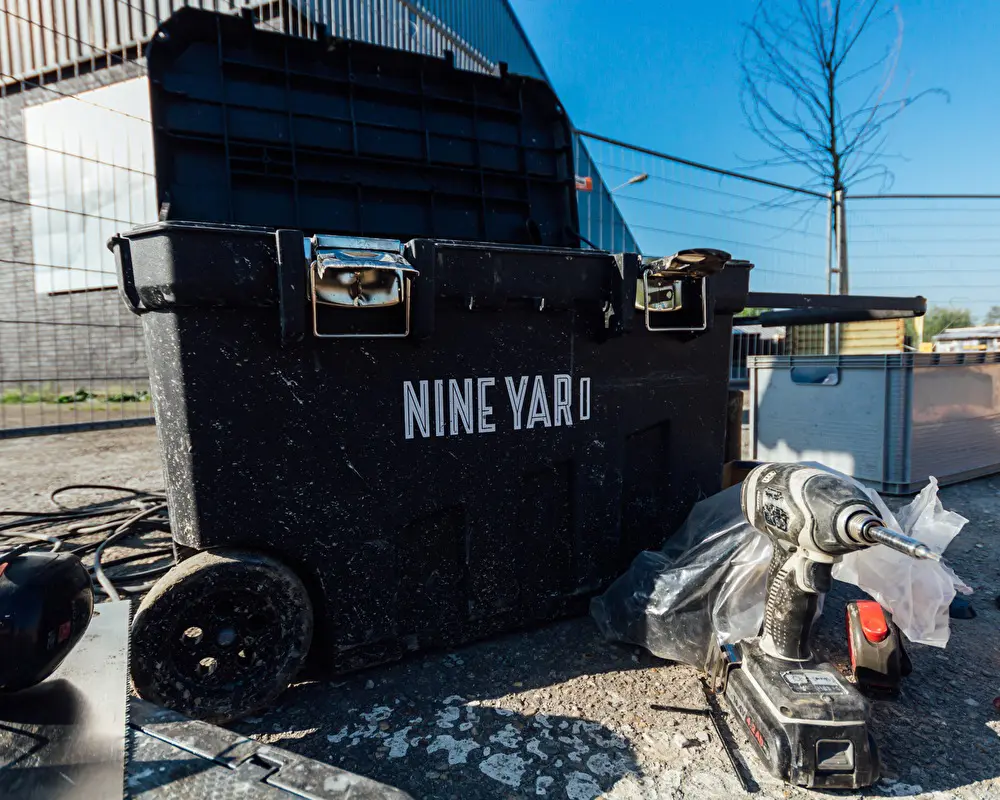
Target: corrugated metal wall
[76, 166]
[39, 36]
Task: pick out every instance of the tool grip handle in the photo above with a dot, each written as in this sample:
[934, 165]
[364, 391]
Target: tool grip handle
[794, 585]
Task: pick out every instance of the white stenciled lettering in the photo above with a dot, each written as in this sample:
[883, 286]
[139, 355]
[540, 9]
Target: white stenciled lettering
[439, 408]
[416, 410]
[517, 398]
[485, 410]
[460, 403]
[538, 410]
[561, 410]
[456, 406]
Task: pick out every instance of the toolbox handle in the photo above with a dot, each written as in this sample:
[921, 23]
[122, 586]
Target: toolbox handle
[122, 249]
[607, 282]
[291, 285]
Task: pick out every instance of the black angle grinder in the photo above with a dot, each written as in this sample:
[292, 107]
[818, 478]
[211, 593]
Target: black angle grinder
[808, 724]
[46, 602]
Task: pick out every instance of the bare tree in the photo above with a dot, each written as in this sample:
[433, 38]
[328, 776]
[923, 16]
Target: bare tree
[813, 97]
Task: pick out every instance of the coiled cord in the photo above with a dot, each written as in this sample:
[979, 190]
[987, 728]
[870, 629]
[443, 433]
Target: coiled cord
[138, 514]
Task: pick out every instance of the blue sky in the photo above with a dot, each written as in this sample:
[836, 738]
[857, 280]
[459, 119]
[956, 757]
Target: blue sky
[665, 75]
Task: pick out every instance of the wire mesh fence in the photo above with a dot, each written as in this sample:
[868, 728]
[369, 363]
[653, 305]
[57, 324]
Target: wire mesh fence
[77, 167]
[671, 204]
[946, 248]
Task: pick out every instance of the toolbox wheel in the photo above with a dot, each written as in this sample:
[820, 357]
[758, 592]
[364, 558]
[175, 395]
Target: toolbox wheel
[221, 635]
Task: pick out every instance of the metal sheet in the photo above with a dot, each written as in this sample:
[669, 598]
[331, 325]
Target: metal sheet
[176, 757]
[65, 737]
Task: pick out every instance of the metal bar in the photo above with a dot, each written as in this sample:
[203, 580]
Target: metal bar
[817, 316]
[435, 24]
[925, 196]
[44, 430]
[835, 302]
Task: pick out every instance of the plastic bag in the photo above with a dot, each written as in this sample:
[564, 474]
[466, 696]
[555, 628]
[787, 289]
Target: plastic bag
[706, 586]
[917, 593]
[709, 577]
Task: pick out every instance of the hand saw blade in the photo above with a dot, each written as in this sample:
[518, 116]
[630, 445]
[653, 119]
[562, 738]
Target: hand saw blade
[67, 736]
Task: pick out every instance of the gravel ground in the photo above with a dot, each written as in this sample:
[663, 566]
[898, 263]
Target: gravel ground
[558, 712]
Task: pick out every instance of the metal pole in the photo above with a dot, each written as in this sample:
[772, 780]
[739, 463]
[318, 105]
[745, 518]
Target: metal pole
[827, 330]
[844, 287]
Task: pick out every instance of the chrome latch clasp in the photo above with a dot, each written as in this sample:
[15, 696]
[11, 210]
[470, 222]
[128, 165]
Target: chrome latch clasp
[351, 274]
[673, 290]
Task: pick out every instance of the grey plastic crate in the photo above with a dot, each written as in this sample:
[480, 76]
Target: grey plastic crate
[891, 421]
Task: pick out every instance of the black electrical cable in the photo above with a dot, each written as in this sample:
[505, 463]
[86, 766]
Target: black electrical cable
[138, 514]
[121, 531]
[104, 488]
[142, 556]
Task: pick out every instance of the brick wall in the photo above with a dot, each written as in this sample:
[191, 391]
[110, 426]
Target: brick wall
[63, 340]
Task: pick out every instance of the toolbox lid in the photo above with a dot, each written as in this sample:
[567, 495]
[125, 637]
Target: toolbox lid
[258, 128]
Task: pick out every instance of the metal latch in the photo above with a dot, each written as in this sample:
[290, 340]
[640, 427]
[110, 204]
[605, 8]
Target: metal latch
[678, 284]
[356, 275]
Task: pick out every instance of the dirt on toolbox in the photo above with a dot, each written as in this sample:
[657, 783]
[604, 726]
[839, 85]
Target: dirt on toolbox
[557, 712]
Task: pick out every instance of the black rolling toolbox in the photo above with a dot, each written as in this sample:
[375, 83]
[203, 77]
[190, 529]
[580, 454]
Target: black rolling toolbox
[441, 439]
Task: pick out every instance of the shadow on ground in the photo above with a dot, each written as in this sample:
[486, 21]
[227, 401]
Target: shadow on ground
[558, 712]
[494, 719]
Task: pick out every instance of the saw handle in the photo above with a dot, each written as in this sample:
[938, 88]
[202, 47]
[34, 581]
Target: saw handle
[794, 585]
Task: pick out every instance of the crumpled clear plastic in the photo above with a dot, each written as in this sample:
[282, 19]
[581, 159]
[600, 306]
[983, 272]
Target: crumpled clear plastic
[706, 586]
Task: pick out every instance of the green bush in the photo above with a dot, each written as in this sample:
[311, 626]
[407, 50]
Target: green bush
[79, 396]
[11, 396]
[129, 397]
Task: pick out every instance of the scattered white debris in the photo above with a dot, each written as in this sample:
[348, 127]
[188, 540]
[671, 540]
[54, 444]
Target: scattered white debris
[465, 726]
[603, 765]
[534, 747]
[447, 717]
[505, 768]
[971, 702]
[582, 786]
[898, 789]
[542, 783]
[543, 720]
[614, 740]
[133, 780]
[458, 749]
[452, 699]
[504, 712]
[508, 736]
[337, 738]
[683, 742]
[398, 744]
[369, 684]
[579, 748]
[377, 714]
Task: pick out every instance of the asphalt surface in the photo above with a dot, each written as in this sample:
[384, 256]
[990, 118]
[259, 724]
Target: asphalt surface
[558, 712]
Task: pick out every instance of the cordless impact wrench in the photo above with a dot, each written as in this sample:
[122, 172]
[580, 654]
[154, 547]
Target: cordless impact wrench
[807, 723]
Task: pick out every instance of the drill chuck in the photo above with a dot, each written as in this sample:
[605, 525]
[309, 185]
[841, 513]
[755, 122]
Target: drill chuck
[871, 530]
